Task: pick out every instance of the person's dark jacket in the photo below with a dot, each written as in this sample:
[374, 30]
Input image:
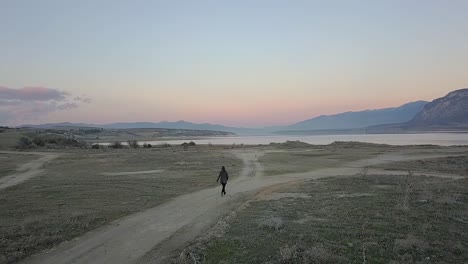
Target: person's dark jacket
[223, 175]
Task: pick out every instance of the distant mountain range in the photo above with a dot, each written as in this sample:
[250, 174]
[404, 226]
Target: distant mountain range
[346, 120]
[165, 124]
[450, 112]
[447, 113]
[361, 119]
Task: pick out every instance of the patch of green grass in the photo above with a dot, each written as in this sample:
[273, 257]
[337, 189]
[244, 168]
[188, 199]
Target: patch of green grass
[73, 197]
[372, 219]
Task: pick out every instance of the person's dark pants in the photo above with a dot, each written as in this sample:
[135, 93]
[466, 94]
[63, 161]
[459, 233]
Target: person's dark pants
[224, 188]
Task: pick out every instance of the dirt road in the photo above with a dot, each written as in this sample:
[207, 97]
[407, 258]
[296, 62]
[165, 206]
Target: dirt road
[127, 240]
[27, 170]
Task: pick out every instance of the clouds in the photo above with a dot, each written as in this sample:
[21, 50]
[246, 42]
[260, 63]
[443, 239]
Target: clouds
[30, 103]
[82, 99]
[32, 94]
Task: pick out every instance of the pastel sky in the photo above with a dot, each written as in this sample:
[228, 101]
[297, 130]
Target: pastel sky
[242, 62]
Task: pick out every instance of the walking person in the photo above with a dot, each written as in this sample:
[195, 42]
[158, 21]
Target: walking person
[223, 175]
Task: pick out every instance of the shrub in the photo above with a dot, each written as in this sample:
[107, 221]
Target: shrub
[38, 141]
[24, 143]
[116, 145]
[147, 145]
[190, 144]
[95, 146]
[133, 143]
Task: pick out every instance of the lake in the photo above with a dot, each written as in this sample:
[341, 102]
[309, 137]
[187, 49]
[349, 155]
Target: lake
[443, 139]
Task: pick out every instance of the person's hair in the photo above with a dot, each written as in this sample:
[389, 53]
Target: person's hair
[223, 169]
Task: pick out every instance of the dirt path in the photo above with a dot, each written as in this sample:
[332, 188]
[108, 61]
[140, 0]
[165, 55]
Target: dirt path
[27, 170]
[173, 223]
[130, 172]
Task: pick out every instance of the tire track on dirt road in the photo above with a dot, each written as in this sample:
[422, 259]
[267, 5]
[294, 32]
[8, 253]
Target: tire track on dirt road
[27, 170]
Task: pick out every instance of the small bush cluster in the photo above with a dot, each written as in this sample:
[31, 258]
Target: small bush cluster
[147, 145]
[95, 146]
[49, 141]
[189, 144]
[24, 143]
[39, 141]
[116, 145]
[133, 144]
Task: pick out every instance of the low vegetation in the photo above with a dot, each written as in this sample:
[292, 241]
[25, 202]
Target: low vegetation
[48, 141]
[10, 163]
[451, 165]
[116, 145]
[303, 158]
[77, 194]
[350, 220]
[133, 144]
[189, 144]
[140, 134]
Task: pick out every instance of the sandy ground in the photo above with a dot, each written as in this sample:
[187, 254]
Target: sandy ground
[27, 170]
[130, 172]
[172, 224]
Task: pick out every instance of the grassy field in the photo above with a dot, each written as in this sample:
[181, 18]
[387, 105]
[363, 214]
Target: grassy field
[85, 189]
[371, 219]
[145, 134]
[9, 163]
[361, 219]
[457, 165]
[9, 138]
[307, 158]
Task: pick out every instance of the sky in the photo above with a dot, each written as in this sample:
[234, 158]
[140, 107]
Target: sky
[239, 63]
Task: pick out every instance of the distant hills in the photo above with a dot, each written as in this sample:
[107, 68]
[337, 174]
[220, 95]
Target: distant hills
[165, 124]
[448, 112]
[361, 119]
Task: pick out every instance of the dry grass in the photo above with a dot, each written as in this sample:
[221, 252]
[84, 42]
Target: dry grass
[273, 222]
[73, 197]
[10, 163]
[9, 138]
[313, 158]
[300, 253]
[147, 134]
[457, 165]
[410, 243]
[358, 229]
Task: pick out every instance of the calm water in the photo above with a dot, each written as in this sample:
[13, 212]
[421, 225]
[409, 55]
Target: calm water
[443, 139]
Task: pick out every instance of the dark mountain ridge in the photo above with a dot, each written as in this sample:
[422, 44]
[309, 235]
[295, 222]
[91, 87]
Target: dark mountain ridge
[445, 114]
[361, 119]
[450, 110]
